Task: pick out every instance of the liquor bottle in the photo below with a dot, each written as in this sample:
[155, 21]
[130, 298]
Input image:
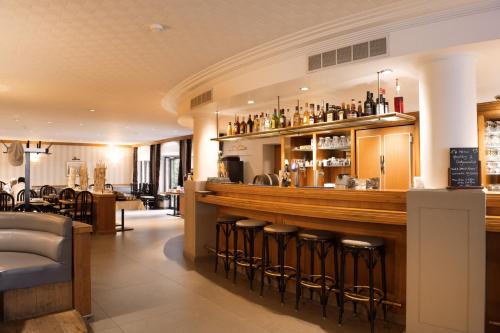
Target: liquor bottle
[288, 118]
[243, 126]
[305, 115]
[328, 113]
[236, 128]
[249, 124]
[386, 109]
[296, 117]
[229, 129]
[275, 120]
[341, 112]
[282, 119]
[368, 105]
[360, 109]
[321, 115]
[301, 117]
[399, 105]
[312, 115]
[374, 104]
[353, 105]
[256, 123]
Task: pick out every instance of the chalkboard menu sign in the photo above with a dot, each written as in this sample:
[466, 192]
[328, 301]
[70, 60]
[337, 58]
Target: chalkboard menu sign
[465, 168]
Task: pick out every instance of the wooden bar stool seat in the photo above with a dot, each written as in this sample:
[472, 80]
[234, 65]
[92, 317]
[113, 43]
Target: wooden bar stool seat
[282, 233]
[247, 259]
[226, 224]
[319, 243]
[367, 248]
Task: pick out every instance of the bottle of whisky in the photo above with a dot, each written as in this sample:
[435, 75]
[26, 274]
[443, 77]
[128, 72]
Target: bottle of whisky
[282, 119]
[275, 120]
[229, 129]
[296, 117]
[256, 123]
[329, 113]
[243, 126]
[312, 115]
[288, 118]
[322, 115]
[236, 129]
[305, 115]
[368, 105]
[301, 117]
[249, 124]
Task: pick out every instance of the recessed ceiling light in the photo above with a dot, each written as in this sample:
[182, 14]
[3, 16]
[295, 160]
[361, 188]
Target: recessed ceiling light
[251, 102]
[156, 27]
[304, 89]
[91, 110]
[17, 120]
[81, 124]
[49, 122]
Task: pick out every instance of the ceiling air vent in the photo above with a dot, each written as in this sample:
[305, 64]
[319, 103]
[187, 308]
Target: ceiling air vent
[348, 54]
[360, 51]
[314, 62]
[378, 47]
[344, 55]
[203, 98]
[329, 58]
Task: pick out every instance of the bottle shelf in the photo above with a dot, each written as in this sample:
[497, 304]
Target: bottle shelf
[336, 166]
[347, 148]
[383, 120]
[302, 150]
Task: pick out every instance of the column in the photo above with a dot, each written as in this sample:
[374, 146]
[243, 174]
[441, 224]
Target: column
[448, 113]
[205, 150]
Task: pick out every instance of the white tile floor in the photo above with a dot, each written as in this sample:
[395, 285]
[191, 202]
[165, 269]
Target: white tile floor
[141, 283]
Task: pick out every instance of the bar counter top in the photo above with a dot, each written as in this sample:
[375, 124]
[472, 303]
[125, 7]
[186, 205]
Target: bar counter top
[369, 206]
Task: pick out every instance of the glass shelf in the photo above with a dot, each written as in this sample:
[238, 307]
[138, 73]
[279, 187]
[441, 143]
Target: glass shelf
[382, 120]
[302, 150]
[347, 148]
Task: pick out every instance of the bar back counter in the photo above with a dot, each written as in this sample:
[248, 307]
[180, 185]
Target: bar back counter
[346, 212]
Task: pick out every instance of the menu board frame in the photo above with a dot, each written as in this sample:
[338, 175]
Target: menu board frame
[473, 152]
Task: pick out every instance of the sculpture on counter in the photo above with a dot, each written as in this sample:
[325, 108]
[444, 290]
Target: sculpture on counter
[284, 176]
[99, 177]
[84, 177]
[72, 177]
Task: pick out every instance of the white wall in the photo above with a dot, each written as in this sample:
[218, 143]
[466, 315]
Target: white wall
[253, 154]
[51, 169]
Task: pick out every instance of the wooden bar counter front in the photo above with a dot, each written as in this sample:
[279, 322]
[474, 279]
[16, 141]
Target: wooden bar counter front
[370, 213]
[346, 212]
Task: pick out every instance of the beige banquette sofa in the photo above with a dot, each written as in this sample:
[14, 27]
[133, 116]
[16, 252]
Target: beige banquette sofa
[35, 264]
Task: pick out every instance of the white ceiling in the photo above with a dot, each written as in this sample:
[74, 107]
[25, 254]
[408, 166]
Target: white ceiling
[60, 58]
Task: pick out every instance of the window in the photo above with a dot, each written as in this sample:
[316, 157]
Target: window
[143, 175]
[172, 169]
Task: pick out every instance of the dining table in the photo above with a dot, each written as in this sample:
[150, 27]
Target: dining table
[123, 205]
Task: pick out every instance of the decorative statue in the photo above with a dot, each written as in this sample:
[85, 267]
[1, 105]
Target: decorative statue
[72, 177]
[99, 177]
[84, 177]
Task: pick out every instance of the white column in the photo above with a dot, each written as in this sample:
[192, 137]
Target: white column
[205, 151]
[448, 116]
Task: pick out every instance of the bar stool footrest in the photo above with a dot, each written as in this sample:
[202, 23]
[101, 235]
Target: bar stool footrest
[274, 271]
[316, 283]
[361, 296]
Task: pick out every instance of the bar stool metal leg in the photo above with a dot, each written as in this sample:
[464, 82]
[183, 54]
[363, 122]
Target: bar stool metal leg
[372, 310]
[336, 271]
[217, 236]
[251, 268]
[384, 280]
[298, 288]
[312, 247]
[341, 283]
[265, 261]
[235, 255]
[355, 255]
[227, 233]
[324, 295]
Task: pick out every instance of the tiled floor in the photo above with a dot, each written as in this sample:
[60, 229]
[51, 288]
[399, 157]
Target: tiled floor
[141, 283]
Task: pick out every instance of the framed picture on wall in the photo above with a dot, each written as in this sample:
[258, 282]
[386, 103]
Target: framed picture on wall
[73, 164]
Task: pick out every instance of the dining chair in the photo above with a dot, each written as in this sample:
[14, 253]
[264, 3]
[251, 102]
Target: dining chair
[20, 195]
[6, 202]
[108, 187]
[84, 207]
[30, 208]
[65, 194]
[47, 190]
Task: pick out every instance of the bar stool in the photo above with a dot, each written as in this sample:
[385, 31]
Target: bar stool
[319, 242]
[367, 248]
[225, 223]
[247, 260]
[282, 233]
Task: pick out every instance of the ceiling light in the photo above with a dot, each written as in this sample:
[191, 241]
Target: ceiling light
[304, 89]
[251, 102]
[81, 124]
[156, 27]
[49, 122]
[91, 110]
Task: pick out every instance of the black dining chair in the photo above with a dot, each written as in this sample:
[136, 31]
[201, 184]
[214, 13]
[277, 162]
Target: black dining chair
[84, 207]
[20, 195]
[65, 194]
[47, 190]
[2, 184]
[6, 202]
[108, 187]
[91, 187]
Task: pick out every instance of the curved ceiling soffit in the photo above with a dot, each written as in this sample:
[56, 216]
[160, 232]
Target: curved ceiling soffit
[317, 39]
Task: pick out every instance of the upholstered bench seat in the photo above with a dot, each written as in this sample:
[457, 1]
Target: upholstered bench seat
[25, 270]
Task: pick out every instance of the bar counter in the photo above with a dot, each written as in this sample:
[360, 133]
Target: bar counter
[355, 212]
